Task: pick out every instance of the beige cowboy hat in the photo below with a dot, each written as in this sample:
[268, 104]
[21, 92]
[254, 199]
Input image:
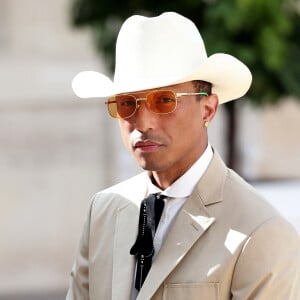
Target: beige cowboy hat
[160, 51]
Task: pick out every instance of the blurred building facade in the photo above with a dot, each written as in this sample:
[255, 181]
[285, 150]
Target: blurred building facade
[57, 151]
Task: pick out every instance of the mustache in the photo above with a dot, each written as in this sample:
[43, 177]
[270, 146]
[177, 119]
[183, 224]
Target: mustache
[136, 137]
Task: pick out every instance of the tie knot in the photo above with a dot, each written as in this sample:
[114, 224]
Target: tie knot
[155, 196]
[159, 196]
[154, 205]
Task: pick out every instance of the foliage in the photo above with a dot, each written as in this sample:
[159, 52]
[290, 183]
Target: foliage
[264, 34]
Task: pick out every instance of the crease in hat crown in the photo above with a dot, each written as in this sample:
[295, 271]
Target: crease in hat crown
[153, 52]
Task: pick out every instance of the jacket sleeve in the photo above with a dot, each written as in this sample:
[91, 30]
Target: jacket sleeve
[79, 282]
[269, 264]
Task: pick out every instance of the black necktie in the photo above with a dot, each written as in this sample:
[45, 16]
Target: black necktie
[143, 249]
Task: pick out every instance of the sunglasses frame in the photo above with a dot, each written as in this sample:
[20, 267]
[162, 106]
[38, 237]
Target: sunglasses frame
[177, 95]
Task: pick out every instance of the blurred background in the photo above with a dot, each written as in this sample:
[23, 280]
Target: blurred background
[56, 151]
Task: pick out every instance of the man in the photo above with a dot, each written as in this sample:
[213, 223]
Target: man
[217, 238]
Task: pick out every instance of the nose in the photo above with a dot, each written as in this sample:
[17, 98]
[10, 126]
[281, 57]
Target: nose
[144, 118]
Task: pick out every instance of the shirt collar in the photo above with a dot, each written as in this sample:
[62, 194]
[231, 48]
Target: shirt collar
[185, 184]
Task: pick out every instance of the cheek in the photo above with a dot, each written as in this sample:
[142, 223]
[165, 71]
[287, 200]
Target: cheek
[188, 119]
[188, 125]
[125, 133]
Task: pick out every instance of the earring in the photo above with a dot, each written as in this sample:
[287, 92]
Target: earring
[206, 124]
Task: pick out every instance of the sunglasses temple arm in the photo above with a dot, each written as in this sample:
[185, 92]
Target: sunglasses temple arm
[192, 94]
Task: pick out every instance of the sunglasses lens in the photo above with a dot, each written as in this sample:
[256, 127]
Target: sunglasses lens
[162, 102]
[121, 106]
[124, 106]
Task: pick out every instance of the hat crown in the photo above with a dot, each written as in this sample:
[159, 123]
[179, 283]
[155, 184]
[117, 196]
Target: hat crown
[162, 51]
[157, 50]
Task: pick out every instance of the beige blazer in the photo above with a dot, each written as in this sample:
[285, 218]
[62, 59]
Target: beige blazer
[226, 243]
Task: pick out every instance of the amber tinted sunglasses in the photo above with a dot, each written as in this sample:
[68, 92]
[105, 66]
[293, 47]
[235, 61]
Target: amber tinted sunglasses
[123, 106]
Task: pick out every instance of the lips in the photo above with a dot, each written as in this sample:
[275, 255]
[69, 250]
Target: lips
[146, 146]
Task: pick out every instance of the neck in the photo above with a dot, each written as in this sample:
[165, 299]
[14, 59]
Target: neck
[163, 180]
[165, 177]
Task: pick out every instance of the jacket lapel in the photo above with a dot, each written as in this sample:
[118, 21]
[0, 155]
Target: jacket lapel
[124, 237]
[191, 223]
[123, 262]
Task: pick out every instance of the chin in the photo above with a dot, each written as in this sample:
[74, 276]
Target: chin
[150, 162]
[146, 165]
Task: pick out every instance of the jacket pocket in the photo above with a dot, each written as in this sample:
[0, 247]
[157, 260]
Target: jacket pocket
[191, 291]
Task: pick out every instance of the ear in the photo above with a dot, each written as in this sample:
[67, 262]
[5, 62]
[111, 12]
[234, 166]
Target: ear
[210, 107]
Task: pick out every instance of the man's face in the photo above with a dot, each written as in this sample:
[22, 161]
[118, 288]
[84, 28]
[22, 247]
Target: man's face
[169, 144]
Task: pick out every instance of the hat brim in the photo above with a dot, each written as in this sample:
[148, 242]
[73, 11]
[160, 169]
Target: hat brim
[230, 80]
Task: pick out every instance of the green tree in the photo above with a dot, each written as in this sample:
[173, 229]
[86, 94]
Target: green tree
[264, 34]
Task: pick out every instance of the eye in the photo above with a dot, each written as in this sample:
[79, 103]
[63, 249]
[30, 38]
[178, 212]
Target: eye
[127, 103]
[164, 99]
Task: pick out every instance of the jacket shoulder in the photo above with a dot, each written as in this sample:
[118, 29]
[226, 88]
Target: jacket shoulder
[132, 190]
